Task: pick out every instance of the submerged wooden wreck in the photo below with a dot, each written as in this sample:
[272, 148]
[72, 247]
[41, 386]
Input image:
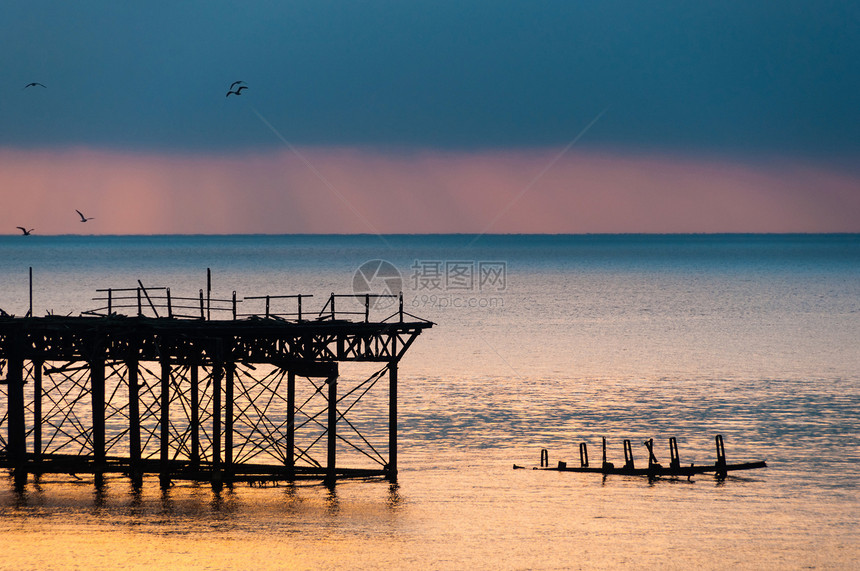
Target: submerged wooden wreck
[720, 468]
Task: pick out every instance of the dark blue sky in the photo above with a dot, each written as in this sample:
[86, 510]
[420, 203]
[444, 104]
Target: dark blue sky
[727, 77]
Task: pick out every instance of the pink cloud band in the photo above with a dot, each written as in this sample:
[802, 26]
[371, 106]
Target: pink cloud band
[347, 190]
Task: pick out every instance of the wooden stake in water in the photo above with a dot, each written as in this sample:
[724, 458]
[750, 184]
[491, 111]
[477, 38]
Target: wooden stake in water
[208, 292]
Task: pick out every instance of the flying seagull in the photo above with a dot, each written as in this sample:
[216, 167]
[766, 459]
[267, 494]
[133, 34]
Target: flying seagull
[237, 92]
[235, 83]
[24, 231]
[34, 84]
[83, 218]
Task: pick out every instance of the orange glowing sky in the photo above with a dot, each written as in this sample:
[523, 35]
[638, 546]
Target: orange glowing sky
[354, 190]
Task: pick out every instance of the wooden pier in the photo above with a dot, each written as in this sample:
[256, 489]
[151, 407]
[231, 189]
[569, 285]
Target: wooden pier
[166, 389]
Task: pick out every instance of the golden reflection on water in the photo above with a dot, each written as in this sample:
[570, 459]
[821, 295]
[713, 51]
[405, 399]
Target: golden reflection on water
[58, 524]
[461, 510]
[459, 502]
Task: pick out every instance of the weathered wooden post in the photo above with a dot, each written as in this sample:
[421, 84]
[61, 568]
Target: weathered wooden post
[291, 424]
[606, 466]
[30, 311]
[136, 470]
[164, 473]
[392, 421]
[97, 393]
[195, 417]
[17, 444]
[721, 457]
[208, 293]
[217, 375]
[674, 458]
[37, 411]
[331, 469]
[230, 371]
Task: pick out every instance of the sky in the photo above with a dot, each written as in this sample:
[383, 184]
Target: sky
[468, 116]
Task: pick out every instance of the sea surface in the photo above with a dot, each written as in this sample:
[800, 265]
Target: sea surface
[539, 342]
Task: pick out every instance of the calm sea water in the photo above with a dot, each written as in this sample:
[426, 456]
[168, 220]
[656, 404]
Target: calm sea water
[539, 342]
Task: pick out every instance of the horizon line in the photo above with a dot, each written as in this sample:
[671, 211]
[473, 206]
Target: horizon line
[479, 234]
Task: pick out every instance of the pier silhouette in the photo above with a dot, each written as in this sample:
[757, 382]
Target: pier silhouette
[151, 383]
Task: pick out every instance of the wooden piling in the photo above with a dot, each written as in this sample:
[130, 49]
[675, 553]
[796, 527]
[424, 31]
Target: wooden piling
[392, 422]
[164, 455]
[97, 394]
[628, 456]
[217, 375]
[37, 411]
[674, 457]
[229, 371]
[331, 458]
[195, 417]
[721, 456]
[135, 468]
[17, 440]
[291, 423]
[208, 293]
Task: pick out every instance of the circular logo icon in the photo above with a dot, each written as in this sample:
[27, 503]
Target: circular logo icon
[380, 278]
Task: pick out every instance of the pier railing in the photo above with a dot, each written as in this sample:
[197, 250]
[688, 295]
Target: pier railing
[160, 302]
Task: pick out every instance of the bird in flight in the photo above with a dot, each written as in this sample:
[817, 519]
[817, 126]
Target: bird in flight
[237, 92]
[235, 83]
[83, 218]
[34, 84]
[24, 231]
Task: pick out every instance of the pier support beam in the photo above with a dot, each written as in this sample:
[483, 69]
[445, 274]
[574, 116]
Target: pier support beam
[217, 375]
[229, 377]
[195, 417]
[291, 425]
[392, 422]
[37, 412]
[164, 472]
[97, 392]
[17, 440]
[136, 472]
[331, 460]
